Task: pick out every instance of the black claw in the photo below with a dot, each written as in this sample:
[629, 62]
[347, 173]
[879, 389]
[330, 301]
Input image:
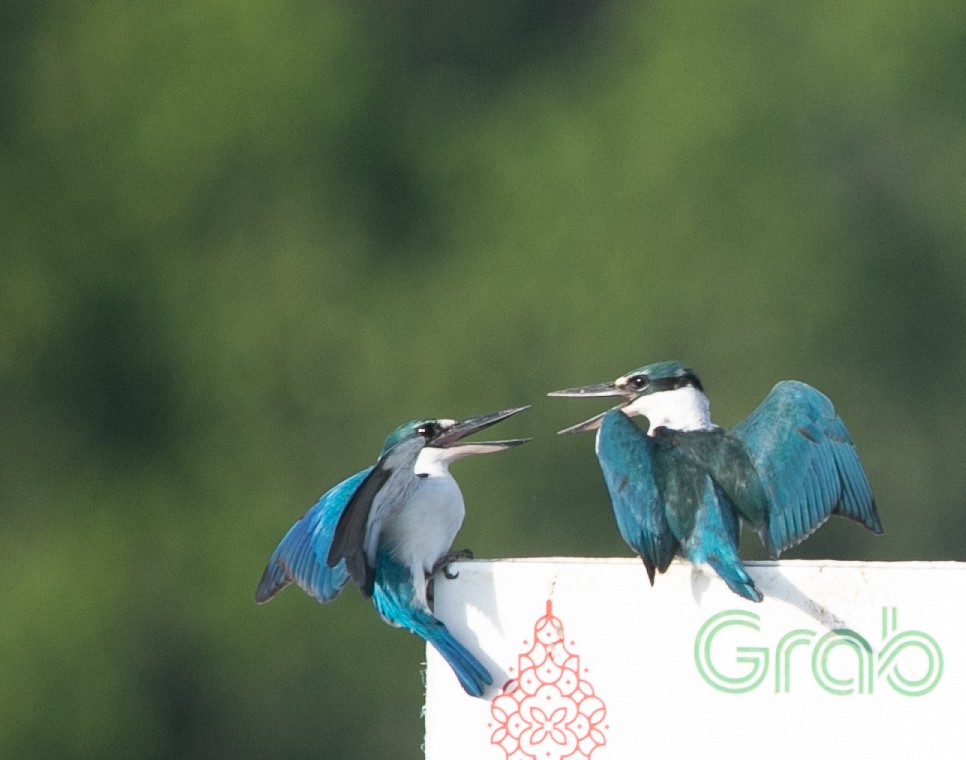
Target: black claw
[442, 565]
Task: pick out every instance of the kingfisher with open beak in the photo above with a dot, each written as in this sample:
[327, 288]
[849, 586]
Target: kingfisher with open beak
[684, 486]
[390, 528]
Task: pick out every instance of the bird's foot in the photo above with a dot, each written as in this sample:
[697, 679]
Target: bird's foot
[443, 563]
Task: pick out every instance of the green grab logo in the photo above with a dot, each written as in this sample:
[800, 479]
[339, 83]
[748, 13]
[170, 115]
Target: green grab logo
[843, 662]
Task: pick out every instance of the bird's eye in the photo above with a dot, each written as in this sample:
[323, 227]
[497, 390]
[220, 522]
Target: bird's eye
[638, 381]
[428, 430]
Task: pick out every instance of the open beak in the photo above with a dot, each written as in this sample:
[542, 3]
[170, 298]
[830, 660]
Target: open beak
[600, 390]
[590, 391]
[451, 437]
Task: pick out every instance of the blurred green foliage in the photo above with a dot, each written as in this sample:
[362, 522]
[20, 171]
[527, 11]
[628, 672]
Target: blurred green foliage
[242, 241]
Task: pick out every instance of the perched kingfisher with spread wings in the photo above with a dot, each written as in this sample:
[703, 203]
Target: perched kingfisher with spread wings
[681, 487]
[390, 528]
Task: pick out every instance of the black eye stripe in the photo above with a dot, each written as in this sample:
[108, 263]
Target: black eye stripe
[685, 380]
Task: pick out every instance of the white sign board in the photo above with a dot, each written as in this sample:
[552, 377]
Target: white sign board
[841, 660]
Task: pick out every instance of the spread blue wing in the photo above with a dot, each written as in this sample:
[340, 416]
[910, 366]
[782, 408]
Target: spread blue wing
[807, 463]
[625, 455]
[301, 557]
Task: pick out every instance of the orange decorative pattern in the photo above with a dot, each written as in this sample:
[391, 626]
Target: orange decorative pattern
[548, 711]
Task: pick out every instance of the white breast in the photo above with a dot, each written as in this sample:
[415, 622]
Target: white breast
[423, 530]
[420, 532]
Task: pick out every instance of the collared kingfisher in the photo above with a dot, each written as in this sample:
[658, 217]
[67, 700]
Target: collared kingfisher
[682, 486]
[390, 528]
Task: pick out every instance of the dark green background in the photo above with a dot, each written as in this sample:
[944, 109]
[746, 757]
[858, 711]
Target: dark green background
[241, 241]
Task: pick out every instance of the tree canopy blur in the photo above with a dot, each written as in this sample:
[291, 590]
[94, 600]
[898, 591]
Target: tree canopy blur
[243, 241]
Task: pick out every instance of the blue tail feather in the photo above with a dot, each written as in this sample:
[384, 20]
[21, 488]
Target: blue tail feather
[394, 599]
[737, 578]
[473, 677]
[715, 541]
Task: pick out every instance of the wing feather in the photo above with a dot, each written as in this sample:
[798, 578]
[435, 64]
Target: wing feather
[302, 555]
[807, 463]
[625, 455]
[356, 535]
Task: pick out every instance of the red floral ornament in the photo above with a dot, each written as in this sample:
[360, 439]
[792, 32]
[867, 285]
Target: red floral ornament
[548, 712]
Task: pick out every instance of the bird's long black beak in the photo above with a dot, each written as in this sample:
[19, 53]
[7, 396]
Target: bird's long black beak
[452, 436]
[592, 424]
[600, 390]
[590, 391]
